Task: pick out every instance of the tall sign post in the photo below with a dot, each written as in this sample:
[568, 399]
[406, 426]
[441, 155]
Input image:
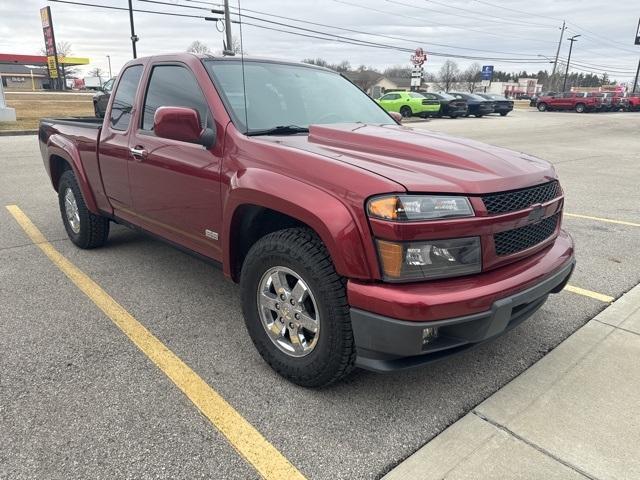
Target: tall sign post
[50, 46]
[418, 59]
[486, 75]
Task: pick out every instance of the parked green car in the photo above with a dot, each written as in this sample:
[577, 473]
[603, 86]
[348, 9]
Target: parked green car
[408, 104]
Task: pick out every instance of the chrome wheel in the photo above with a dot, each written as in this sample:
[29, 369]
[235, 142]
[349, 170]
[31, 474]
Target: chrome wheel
[288, 311]
[71, 210]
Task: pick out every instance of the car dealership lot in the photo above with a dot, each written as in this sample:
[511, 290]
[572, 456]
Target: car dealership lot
[79, 400]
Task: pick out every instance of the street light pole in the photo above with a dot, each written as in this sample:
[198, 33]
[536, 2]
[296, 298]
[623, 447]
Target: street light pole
[109, 60]
[566, 72]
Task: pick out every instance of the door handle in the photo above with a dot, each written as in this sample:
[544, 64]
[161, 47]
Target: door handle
[138, 152]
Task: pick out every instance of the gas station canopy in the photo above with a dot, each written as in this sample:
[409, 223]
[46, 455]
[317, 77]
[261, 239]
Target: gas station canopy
[40, 59]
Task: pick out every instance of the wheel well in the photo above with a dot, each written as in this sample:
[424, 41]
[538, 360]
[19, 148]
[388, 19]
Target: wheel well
[250, 223]
[58, 166]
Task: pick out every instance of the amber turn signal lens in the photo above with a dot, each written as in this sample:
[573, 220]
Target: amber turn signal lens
[384, 207]
[391, 258]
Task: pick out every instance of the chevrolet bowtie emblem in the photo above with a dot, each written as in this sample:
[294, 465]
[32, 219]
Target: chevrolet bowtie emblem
[536, 214]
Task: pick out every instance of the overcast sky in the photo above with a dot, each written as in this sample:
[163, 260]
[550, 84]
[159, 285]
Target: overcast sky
[488, 28]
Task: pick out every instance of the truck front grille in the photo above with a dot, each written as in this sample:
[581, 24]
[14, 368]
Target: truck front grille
[519, 239]
[520, 199]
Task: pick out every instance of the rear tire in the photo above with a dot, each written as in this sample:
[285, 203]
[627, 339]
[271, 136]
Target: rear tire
[542, 107]
[85, 229]
[479, 115]
[96, 111]
[504, 114]
[406, 111]
[580, 108]
[299, 255]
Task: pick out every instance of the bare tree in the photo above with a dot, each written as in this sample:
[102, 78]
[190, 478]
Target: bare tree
[448, 75]
[342, 67]
[97, 72]
[472, 76]
[398, 71]
[198, 47]
[64, 49]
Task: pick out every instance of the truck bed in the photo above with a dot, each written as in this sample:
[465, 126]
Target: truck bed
[84, 122]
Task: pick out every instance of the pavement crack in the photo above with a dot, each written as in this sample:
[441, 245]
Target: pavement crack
[534, 446]
[618, 327]
[30, 244]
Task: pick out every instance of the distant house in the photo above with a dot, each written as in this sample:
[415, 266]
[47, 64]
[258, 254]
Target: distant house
[376, 84]
[24, 77]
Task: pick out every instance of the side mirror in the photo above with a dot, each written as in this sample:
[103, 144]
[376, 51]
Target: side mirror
[396, 116]
[182, 124]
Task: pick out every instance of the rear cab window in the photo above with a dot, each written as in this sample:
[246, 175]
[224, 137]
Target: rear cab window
[124, 98]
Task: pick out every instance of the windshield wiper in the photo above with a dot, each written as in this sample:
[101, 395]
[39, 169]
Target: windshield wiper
[280, 130]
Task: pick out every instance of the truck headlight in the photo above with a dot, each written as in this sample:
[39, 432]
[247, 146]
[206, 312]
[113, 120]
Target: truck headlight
[403, 208]
[413, 261]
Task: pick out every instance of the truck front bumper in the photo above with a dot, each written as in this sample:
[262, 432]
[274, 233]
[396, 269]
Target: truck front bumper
[386, 344]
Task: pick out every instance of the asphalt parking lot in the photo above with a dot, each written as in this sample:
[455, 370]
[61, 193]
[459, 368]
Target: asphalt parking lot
[79, 400]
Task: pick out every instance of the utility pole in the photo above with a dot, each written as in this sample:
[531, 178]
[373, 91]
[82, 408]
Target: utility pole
[555, 63]
[228, 47]
[109, 59]
[571, 39]
[635, 82]
[134, 37]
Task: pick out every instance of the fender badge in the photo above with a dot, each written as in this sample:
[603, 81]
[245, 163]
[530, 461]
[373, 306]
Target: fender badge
[211, 235]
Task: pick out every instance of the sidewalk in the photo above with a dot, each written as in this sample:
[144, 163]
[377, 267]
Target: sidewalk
[573, 415]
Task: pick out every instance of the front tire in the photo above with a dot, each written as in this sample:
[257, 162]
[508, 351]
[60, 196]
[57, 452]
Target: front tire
[580, 108]
[542, 107]
[503, 114]
[295, 308]
[85, 229]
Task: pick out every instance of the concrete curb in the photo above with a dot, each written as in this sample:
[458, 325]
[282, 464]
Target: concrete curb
[12, 133]
[484, 444]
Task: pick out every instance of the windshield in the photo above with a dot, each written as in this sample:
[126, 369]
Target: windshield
[446, 96]
[475, 97]
[415, 95]
[290, 95]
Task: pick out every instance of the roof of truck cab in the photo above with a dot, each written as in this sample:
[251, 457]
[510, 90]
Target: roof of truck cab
[230, 58]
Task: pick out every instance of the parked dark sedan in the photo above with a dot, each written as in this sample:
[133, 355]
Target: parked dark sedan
[501, 104]
[101, 98]
[478, 106]
[449, 106]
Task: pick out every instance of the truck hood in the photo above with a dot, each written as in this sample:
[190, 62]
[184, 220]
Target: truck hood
[423, 161]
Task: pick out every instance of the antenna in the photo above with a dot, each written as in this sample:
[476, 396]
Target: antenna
[244, 85]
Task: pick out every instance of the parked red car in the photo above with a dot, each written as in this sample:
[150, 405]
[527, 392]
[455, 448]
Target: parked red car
[578, 101]
[356, 241]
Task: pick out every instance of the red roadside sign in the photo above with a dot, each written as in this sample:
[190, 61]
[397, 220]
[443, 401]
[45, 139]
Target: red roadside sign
[419, 57]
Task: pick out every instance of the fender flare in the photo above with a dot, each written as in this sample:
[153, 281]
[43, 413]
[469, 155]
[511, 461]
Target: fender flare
[327, 215]
[64, 148]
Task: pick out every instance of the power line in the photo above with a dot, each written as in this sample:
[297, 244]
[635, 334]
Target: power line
[505, 20]
[357, 41]
[392, 37]
[502, 7]
[431, 22]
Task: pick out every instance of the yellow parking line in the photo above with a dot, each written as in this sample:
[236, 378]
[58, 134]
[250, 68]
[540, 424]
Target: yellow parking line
[600, 219]
[249, 443]
[589, 293]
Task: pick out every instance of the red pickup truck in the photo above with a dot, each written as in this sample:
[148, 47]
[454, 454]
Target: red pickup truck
[633, 102]
[356, 241]
[578, 101]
